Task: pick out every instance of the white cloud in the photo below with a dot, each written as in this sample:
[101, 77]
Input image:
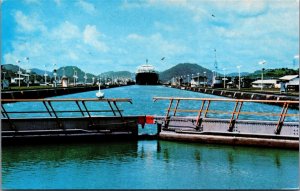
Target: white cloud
[57, 2]
[88, 7]
[28, 23]
[135, 37]
[32, 1]
[66, 31]
[163, 26]
[91, 37]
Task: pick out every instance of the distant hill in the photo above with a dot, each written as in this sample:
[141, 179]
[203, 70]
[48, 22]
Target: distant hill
[237, 74]
[184, 69]
[120, 74]
[41, 72]
[274, 73]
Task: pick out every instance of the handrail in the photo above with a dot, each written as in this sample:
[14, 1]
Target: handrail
[226, 100]
[69, 99]
[234, 113]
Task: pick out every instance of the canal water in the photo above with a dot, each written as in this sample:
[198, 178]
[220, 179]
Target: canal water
[148, 164]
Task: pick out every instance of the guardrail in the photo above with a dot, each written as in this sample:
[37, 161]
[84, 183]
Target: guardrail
[236, 111]
[53, 112]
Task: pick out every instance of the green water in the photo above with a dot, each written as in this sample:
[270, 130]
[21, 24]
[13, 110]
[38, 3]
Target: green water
[148, 164]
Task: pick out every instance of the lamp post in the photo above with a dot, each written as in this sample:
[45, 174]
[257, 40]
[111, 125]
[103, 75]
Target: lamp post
[19, 72]
[198, 79]
[45, 75]
[85, 78]
[28, 71]
[188, 80]
[224, 78]
[262, 72]
[54, 74]
[75, 76]
[28, 75]
[204, 84]
[239, 68]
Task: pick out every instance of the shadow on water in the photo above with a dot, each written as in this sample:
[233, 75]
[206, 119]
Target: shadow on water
[147, 164]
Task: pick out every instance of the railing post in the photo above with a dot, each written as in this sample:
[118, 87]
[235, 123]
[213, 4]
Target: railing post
[177, 103]
[281, 118]
[199, 119]
[167, 118]
[60, 125]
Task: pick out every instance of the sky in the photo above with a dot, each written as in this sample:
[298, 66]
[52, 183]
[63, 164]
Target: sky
[117, 35]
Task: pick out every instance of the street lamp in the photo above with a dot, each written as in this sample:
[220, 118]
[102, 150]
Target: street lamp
[19, 72]
[204, 79]
[198, 79]
[28, 71]
[75, 76]
[45, 75]
[224, 78]
[239, 68]
[188, 79]
[262, 72]
[85, 78]
[54, 74]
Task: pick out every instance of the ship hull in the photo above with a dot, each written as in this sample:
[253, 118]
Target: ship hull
[146, 78]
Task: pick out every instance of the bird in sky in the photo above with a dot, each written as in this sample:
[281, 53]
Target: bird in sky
[213, 15]
[162, 58]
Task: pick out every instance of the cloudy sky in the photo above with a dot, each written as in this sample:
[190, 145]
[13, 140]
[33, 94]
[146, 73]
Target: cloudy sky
[104, 35]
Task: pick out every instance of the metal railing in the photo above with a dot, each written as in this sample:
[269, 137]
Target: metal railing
[53, 112]
[204, 110]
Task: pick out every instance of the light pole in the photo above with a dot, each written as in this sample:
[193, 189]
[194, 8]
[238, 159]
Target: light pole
[204, 84]
[93, 78]
[239, 68]
[19, 72]
[188, 79]
[45, 75]
[262, 72]
[54, 74]
[27, 59]
[85, 78]
[75, 76]
[224, 78]
[28, 75]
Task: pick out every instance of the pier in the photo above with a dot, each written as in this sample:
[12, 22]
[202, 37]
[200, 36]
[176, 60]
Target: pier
[237, 94]
[79, 122]
[50, 92]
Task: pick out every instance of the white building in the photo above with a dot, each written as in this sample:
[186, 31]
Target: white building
[265, 84]
[290, 79]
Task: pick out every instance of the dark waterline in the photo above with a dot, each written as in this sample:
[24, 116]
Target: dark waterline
[148, 164]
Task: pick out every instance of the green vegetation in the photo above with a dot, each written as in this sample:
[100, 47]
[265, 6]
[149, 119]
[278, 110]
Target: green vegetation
[184, 69]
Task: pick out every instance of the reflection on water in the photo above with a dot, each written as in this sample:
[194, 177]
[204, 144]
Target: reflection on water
[147, 164]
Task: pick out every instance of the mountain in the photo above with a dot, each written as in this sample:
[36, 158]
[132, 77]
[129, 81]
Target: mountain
[184, 69]
[237, 74]
[120, 74]
[41, 72]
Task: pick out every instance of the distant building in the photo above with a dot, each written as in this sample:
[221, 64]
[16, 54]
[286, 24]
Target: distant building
[265, 84]
[290, 82]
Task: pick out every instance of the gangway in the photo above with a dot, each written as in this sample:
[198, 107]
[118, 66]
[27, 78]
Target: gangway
[209, 124]
[49, 118]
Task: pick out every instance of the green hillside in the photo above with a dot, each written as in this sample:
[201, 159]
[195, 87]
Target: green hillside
[184, 69]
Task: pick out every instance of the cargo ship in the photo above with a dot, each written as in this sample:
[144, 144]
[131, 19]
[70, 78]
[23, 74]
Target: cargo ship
[146, 75]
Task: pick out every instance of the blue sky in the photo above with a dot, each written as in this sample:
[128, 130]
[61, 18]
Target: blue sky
[104, 35]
